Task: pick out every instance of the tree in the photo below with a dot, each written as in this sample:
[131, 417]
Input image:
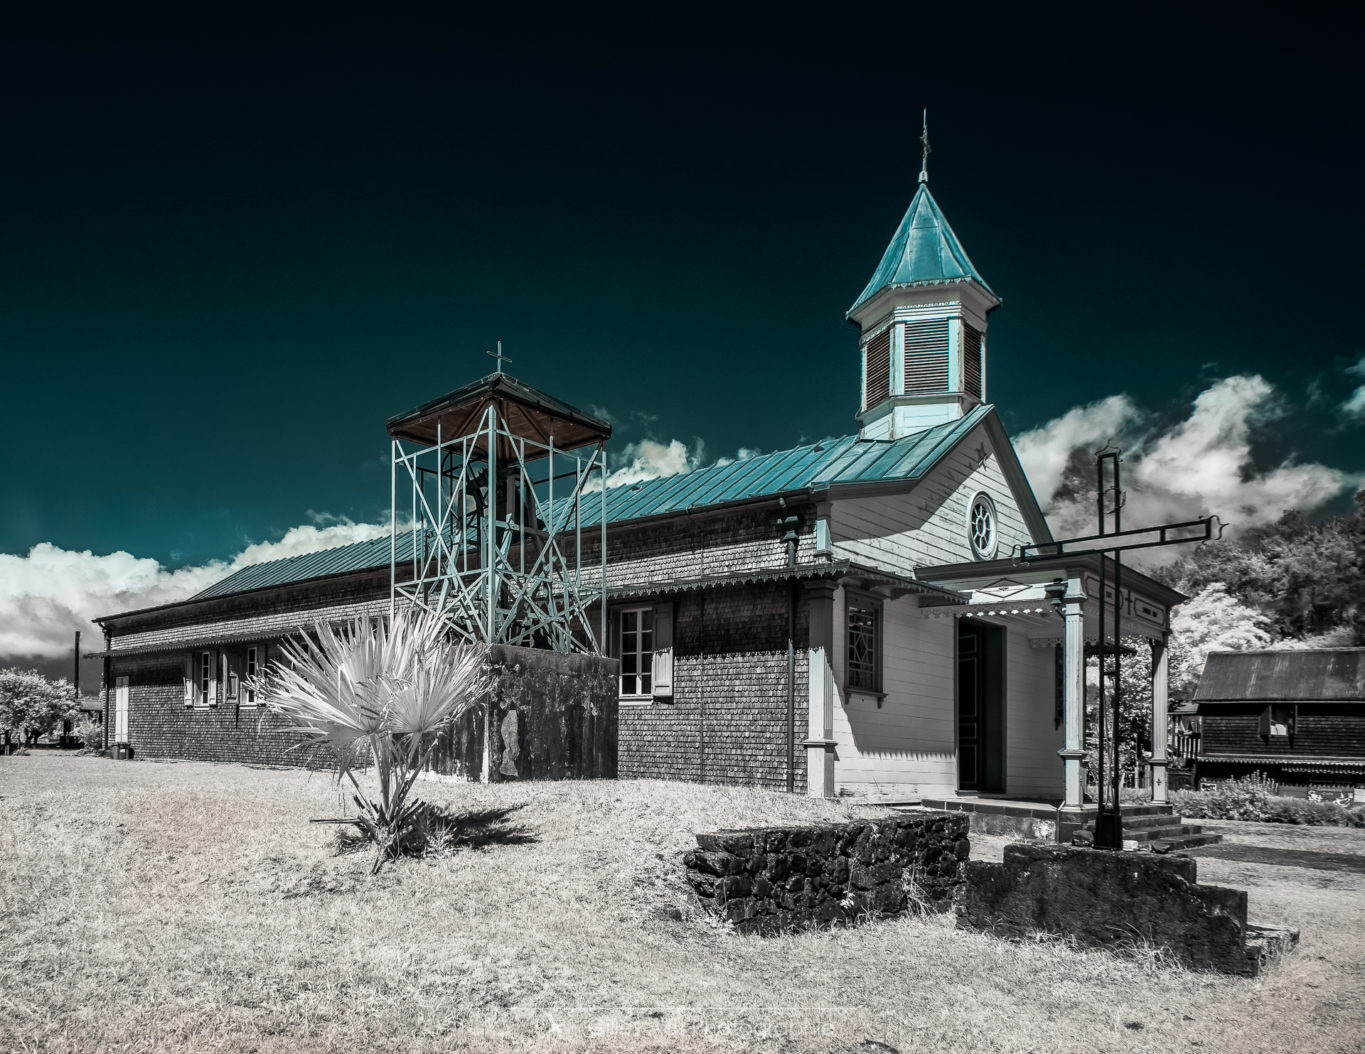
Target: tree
[1135, 710]
[31, 705]
[1212, 620]
[1307, 576]
[379, 692]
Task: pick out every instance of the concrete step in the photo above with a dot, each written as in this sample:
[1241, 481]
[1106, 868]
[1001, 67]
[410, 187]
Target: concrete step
[1189, 841]
[1149, 819]
[1143, 812]
[1165, 831]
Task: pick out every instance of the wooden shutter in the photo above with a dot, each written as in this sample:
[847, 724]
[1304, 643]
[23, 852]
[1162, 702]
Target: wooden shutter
[926, 357]
[191, 678]
[661, 674]
[877, 364]
[971, 360]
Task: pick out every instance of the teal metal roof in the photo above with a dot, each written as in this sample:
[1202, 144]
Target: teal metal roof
[923, 251]
[817, 466]
[804, 469]
[359, 556]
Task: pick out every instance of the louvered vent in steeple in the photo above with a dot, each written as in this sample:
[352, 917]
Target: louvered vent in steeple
[877, 364]
[926, 357]
[971, 360]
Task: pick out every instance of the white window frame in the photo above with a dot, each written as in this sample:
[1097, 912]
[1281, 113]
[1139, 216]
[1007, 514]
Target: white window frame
[121, 703]
[253, 667]
[644, 658]
[203, 680]
[655, 662]
[985, 501]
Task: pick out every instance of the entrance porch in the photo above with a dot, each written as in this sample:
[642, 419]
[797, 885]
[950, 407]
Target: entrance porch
[1057, 602]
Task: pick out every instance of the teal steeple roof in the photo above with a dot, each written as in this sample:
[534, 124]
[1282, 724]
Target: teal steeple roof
[924, 251]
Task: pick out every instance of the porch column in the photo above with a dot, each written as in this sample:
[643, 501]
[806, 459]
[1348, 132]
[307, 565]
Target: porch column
[1073, 693]
[819, 742]
[1160, 711]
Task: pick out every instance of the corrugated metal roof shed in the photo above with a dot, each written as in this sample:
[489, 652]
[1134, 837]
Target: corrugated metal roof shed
[814, 467]
[1335, 674]
[923, 251]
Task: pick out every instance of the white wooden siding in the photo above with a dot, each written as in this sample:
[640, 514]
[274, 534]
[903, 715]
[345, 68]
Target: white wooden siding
[907, 746]
[927, 525]
[1032, 738]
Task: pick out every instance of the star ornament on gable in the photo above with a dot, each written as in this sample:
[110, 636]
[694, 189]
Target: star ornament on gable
[982, 453]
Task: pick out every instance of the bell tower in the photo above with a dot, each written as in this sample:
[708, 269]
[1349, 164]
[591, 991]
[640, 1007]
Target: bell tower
[922, 325]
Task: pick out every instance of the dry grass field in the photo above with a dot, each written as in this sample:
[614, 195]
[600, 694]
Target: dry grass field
[192, 907]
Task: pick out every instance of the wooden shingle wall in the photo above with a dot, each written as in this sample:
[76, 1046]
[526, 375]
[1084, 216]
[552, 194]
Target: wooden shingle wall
[727, 720]
[1320, 730]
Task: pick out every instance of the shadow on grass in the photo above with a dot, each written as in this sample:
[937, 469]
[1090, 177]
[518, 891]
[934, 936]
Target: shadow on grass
[441, 830]
[1257, 854]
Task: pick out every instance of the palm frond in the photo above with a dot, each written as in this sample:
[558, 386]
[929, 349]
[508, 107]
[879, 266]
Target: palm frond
[380, 690]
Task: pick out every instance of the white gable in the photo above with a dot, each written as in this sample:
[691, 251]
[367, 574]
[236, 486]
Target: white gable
[927, 524]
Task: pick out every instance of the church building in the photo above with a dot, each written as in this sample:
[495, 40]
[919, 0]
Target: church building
[844, 617]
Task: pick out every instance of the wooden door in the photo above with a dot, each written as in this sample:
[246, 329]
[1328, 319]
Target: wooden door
[980, 708]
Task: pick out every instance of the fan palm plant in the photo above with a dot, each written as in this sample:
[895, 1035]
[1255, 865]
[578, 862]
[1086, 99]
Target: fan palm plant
[377, 691]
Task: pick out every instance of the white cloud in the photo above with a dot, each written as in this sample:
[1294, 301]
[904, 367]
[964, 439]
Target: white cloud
[1045, 452]
[1353, 407]
[649, 458]
[307, 538]
[1200, 466]
[48, 594]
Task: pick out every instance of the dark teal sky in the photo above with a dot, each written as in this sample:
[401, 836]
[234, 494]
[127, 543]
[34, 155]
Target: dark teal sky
[227, 259]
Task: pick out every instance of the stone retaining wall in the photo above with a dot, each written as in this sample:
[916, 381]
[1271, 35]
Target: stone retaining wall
[1105, 899]
[777, 879]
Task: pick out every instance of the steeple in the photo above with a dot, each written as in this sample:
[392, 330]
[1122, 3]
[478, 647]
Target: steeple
[922, 323]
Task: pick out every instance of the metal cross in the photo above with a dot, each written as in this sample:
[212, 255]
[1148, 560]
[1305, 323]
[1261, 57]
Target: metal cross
[499, 356]
[924, 144]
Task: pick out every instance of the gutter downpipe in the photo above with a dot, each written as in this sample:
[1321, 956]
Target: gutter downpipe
[789, 523]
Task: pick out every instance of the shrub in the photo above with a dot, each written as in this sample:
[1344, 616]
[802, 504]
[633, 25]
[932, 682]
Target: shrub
[1236, 799]
[90, 734]
[1250, 798]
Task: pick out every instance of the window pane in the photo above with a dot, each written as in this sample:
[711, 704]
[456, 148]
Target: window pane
[628, 621]
[862, 648]
[628, 660]
[644, 684]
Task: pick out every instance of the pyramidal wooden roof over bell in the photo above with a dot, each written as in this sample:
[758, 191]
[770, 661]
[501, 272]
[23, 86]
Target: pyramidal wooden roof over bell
[924, 251]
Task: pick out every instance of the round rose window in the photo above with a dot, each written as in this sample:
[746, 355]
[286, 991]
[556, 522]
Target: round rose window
[981, 527]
